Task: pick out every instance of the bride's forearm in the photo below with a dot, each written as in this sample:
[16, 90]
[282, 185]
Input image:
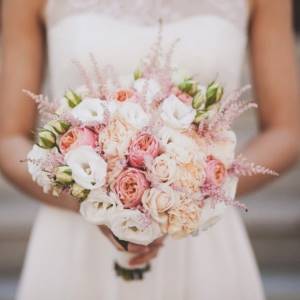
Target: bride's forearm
[275, 148]
[12, 151]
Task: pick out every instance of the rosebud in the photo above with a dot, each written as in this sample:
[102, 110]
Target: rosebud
[137, 74]
[214, 93]
[79, 192]
[72, 98]
[200, 115]
[63, 175]
[199, 100]
[189, 86]
[46, 139]
[59, 127]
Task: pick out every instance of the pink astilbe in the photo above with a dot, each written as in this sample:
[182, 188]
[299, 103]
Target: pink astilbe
[53, 160]
[217, 195]
[242, 167]
[46, 108]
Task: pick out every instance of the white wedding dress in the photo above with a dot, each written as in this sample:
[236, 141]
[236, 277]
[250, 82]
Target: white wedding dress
[69, 259]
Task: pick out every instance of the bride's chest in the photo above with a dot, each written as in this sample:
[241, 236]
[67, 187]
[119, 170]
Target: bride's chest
[208, 46]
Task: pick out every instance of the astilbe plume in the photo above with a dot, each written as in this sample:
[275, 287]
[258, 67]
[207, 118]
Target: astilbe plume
[242, 167]
[46, 108]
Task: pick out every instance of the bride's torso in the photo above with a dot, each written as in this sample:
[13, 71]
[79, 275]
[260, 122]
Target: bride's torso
[212, 33]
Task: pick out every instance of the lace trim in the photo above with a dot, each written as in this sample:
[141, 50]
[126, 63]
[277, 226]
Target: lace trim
[148, 12]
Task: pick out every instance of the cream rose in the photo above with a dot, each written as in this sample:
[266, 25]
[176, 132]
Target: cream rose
[133, 226]
[133, 114]
[99, 208]
[177, 114]
[88, 167]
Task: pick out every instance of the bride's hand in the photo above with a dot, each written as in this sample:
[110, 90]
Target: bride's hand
[143, 253]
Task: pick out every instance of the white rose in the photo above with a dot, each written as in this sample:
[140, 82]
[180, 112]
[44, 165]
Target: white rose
[90, 110]
[88, 167]
[152, 88]
[35, 159]
[158, 201]
[133, 226]
[133, 114]
[99, 208]
[177, 114]
[211, 214]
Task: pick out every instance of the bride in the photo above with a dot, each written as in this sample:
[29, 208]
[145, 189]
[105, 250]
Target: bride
[70, 259]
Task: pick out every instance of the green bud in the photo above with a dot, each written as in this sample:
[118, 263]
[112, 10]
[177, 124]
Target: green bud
[72, 98]
[63, 175]
[57, 189]
[214, 93]
[200, 115]
[46, 139]
[199, 100]
[59, 127]
[79, 192]
[189, 86]
[137, 74]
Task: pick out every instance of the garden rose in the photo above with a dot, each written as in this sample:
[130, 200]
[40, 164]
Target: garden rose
[116, 137]
[76, 137]
[177, 114]
[122, 95]
[163, 169]
[144, 145]
[88, 167]
[135, 227]
[215, 171]
[183, 218]
[130, 187]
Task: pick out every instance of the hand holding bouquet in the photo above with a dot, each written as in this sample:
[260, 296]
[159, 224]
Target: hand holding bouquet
[155, 157]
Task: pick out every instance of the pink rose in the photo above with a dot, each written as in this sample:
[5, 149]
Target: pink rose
[144, 145]
[130, 187]
[77, 137]
[215, 171]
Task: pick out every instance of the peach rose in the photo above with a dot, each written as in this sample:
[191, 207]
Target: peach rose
[130, 187]
[215, 171]
[123, 94]
[144, 145]
[76, 137]
[183, 218]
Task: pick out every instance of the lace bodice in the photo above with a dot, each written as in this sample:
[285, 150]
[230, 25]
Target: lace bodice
[212, 36]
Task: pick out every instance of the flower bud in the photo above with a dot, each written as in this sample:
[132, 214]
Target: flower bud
[72, 98]
[214, 93]
[59, 127]
[57, 189]
[200, 115]
[137, 74]
[189, 86]
[46, 139]
[79, 192]
[63, 175]
[199, 100]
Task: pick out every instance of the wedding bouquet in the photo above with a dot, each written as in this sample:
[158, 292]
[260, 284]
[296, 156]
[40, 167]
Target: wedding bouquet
[149, 158]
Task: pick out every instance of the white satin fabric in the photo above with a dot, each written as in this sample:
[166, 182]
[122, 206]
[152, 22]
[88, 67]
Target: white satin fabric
[69, 259]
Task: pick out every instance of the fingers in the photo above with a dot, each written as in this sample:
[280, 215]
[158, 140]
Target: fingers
[106, 231]
[134, 248]
[144, 258]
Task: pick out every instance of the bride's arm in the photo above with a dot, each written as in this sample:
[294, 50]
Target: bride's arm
[22, 67]
[276, 84]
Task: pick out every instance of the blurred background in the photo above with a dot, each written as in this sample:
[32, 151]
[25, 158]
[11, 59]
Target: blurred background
[273, 222]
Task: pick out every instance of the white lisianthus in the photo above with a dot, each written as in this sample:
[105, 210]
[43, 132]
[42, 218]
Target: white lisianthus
[153, 88]
[133, 114]
[90, 110]
[177, 114]
[88, 168]
[99, 207]
[35, 157]
[133, 226]
[211, 214]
